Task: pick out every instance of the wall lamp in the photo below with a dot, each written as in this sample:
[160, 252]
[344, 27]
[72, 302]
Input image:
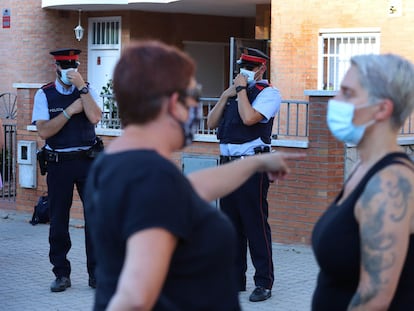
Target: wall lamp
[79, 29]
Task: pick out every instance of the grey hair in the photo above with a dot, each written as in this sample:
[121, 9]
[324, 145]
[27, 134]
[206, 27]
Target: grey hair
[388, 76]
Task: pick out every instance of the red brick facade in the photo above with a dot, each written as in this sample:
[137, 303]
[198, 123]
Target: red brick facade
[295, 27]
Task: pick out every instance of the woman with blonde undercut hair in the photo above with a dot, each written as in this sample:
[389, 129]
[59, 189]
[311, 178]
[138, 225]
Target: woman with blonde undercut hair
[364, 242]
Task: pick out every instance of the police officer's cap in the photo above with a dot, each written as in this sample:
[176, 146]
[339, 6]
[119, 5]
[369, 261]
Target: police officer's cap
[66, 57]
[251, 56]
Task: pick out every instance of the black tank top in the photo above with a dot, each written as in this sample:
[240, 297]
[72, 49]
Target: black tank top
[336, 245]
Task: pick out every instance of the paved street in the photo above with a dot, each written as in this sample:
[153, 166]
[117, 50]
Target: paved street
[25, 271]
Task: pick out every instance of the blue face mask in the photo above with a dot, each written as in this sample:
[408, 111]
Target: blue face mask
[339, 119]
[63, 75]
[248, 74]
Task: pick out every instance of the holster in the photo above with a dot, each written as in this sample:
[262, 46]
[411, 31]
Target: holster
[96, 148]
[41, 158]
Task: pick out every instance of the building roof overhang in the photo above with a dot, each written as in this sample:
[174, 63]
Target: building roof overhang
[235, 8]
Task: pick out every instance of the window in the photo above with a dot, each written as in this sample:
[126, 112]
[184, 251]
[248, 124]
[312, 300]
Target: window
[336, 49]
[105, 32]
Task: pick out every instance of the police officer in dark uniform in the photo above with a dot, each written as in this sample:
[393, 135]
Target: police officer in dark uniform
[65, 113]
[244, 116]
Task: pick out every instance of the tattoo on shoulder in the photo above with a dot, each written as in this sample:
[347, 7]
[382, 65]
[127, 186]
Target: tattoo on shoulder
[383, 201]
[392, 193]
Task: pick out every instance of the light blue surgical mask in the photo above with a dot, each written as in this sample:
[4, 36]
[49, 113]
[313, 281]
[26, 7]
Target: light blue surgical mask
[248, 74]
[63, 75]
[339, 119]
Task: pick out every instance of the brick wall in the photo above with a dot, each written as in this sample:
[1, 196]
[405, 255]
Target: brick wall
[296, 203]
[26, 198]
[25, 46]
[295, 28]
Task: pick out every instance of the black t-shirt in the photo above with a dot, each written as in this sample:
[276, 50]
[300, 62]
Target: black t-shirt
[336, 244]
[135, 190]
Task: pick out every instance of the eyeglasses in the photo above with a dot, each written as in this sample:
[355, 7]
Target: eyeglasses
[194, 93]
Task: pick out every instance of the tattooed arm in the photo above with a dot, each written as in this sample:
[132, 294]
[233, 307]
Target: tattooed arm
[384, 213]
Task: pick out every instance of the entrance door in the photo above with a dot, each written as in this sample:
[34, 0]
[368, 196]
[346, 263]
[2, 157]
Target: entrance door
[104, 49]
[100, 72]
[210, 60]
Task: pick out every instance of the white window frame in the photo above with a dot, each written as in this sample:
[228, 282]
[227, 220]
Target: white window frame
[109, 43]
[342, 45]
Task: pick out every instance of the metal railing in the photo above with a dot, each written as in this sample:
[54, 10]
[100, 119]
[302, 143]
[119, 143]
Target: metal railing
[8, 106]
[408, 128]
[8, 152]
[8, 162]
[110, 116]
[291, 122]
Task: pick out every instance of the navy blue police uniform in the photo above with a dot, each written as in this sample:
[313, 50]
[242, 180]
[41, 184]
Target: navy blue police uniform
[64, 170]
[247, 206]
[68, 157]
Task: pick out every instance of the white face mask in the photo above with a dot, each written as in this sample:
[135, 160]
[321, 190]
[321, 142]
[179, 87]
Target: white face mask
[339, 119]
[63, 75]
[248, 74]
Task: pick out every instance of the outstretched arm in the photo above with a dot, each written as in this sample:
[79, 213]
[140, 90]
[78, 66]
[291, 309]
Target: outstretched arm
[213, 183]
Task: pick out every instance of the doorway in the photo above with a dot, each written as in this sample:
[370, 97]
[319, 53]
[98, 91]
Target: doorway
[210, 58]
[104, 49]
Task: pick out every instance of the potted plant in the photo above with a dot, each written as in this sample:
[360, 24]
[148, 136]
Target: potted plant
[110, 109]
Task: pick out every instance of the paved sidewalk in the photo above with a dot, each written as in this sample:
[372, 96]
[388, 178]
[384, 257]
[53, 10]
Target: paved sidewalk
[25, 272]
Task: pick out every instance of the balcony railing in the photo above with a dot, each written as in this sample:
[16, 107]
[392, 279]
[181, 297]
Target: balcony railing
[110, 116]
[408, 128]
[291, 122]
